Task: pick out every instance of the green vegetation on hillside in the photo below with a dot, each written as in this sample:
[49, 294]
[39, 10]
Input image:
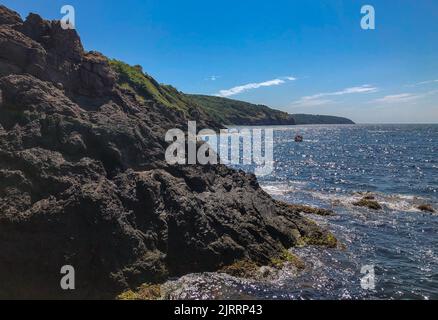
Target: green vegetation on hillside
[320, 119]
[234, 112]
[147, 88]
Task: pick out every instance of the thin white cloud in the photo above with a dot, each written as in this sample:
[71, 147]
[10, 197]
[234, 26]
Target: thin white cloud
[404, 97]
[366, 88]
[397, 98]
[250, 86]
[318, 99]
[310, 102]
[422, 83]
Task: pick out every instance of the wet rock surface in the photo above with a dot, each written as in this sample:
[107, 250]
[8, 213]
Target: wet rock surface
[83, 180]
[368, 202]
[425, 207]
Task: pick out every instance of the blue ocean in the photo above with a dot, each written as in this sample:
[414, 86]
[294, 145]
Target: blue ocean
[332, 168]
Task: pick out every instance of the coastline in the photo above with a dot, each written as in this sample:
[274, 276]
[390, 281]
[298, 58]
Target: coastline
[85, 184]
[96, 202]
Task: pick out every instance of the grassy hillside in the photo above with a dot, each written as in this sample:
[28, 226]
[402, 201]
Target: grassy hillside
[320, 119]
[234, 112]
[147, 88]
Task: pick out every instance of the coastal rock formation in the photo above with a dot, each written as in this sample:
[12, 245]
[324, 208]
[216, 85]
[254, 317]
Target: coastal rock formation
[83, 181]
[368, 202]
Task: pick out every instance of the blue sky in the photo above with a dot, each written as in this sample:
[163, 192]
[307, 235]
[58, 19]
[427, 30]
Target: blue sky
[297, 56]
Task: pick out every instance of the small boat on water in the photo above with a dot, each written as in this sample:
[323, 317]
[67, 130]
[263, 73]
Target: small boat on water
[299, 138]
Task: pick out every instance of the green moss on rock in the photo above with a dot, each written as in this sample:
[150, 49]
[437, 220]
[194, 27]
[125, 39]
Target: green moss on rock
[287, 257]
[326, 239]
[144, 292]
[371, 204]
[311, 210]
[242, 269]
[249, 269]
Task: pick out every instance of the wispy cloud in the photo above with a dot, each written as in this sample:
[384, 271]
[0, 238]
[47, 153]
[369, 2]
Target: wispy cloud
[212, 78]
[422, 83]
[404, 97]
[397, 98]
[321, 98]
[311, 102]
[251, 86]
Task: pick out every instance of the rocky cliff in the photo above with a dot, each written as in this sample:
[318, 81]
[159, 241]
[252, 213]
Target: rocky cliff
[83, 180]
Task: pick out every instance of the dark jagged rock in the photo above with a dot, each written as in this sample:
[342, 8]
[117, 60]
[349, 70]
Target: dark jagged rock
[43, 49]
[83, 180]
[20, 54]
[8, 16]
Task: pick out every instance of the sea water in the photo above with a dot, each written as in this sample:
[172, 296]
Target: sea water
[333, 168]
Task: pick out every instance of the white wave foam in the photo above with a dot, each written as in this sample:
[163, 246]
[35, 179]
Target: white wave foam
[394, 202]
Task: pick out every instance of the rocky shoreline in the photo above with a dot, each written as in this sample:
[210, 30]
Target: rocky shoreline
[83, 181]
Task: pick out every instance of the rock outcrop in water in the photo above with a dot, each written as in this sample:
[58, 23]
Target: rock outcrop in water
[83, 181]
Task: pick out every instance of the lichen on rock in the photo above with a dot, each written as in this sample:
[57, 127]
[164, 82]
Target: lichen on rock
[144, 292]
